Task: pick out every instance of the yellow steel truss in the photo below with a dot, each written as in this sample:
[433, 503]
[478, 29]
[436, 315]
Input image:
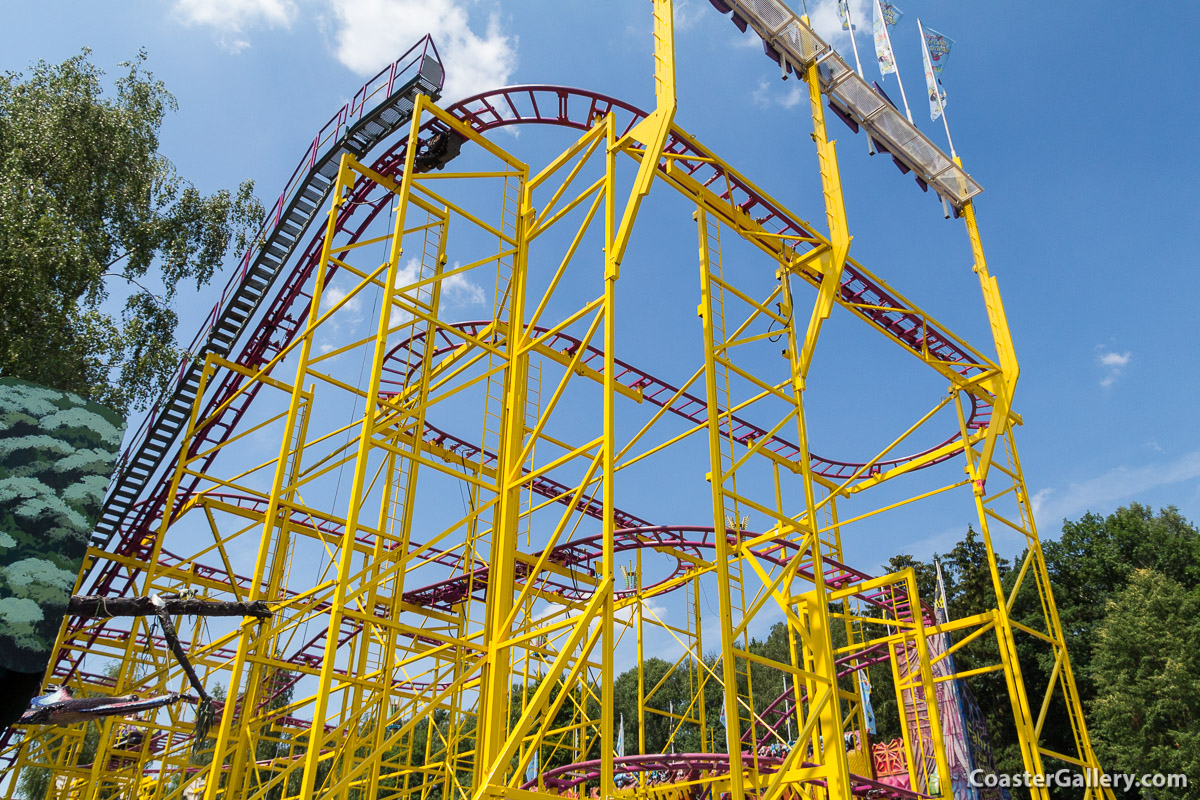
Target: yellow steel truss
[418, 652]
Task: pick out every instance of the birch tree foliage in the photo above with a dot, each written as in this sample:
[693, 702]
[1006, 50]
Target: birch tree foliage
[99, 232]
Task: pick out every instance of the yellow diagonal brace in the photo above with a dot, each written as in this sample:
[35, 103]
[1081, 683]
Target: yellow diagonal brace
[833, 261]
[1004, 385]
[652, 131]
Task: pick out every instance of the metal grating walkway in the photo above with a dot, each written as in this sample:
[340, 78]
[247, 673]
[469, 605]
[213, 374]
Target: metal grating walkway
[381, 107]
[793, 45]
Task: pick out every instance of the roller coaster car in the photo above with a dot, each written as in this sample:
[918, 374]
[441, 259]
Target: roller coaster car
[439, 150]
[128, 738]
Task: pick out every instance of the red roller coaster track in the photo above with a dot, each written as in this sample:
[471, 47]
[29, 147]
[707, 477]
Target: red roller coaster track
[289, 300]
[662, 394]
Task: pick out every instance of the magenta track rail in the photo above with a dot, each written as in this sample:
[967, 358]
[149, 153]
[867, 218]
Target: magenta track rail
[287, 302]
[546, 105]
[683, 765]
[662, 394]
[578, 553]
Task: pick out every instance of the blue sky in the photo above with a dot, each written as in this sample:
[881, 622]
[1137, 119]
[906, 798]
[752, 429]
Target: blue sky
[1078, 119]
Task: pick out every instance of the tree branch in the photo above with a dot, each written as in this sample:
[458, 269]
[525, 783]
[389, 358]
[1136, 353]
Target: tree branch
[168, 629]
[100, 606]
[128, 279]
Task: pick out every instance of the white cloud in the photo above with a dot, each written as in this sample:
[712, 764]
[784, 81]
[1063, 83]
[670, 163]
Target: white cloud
[1113, 363]
[334, 295]
[688, 13]
[1107, 491]
[231, 18]
[825, 20]
[789, 96]
[550, 612]
[461, 292]
[457, 290]
[370, 33]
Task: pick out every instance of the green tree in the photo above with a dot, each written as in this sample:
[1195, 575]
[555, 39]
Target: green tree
[926, 575]
[93, 219]
[1090, 565]
[674, 690]
[968, 576]
[1095, 558]
[1145, 716]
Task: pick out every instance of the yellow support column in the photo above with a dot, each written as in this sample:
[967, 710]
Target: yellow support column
[1003, 386]
[822, 684]
[729, 675]
[494, 701]
[248, 643]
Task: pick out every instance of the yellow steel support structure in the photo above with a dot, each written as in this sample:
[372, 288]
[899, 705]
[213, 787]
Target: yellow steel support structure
[448, 616]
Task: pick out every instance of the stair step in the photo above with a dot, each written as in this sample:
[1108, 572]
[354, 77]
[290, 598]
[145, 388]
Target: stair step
[268, 262]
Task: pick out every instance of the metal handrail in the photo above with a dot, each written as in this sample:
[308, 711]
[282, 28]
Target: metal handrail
[409, 65]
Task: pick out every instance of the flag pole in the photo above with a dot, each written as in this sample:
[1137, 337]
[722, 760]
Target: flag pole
[849, 23]
[854, 44]
[895, 63]
[792, 692]
[937, 91]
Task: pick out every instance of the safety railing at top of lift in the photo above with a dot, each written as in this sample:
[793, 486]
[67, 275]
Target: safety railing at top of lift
[407, 67]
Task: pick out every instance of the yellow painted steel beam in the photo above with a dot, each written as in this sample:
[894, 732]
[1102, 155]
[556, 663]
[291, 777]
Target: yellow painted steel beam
[489, 683]
[651, 132]
[833, 259]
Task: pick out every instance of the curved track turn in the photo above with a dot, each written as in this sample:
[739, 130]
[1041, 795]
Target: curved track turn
[542, 105]
[662, 394]
[691, 767]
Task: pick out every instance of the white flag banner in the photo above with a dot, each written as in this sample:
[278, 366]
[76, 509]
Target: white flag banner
[941, 607]
[864, 691]
[937, 98]
[883, 43]
[531, 771]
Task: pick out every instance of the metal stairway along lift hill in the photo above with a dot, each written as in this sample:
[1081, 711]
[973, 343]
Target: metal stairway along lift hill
[356, 128]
